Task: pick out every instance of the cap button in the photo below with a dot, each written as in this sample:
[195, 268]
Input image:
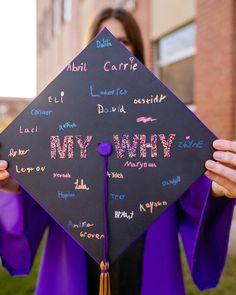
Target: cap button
[105, 149]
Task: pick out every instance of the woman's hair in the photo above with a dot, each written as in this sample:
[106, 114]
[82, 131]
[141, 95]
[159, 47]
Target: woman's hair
[130, 26]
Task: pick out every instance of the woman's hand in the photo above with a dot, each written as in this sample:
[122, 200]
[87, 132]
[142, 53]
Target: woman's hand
[222, 170]
[7, 184]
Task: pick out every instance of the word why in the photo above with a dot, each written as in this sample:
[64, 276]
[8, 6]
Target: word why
[190, 144]
[128, 66]
[124, 214]
[126, 144]
[35, 112]
[173, 181]
[145, 119]
[91, 235]
[80, 224]
[115, 175]
[139, 165]
[107, 92]
[28, 130]
[61, 175]
[151, 205]
[18, 152]
[104, 43]
[117, 197]
[105, 110]
[82, 67]
[30, 169]
[80, 185]
[151, 100]
[67, 125]
[65, 195]
[55, 99]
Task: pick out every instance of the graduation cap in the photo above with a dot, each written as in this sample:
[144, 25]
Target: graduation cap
[105, 149]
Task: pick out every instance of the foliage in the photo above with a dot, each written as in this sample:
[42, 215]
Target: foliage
[25, 285]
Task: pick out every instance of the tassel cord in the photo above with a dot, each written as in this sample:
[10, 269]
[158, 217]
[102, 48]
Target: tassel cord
[105, 202]
[105, 150]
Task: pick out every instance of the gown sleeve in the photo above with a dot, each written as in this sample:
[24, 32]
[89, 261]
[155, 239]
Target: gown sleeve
[204, 226]
[22, 223]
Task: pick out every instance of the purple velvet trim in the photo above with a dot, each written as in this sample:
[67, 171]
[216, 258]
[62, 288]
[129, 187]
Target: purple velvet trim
[105, 150]
[105, 196]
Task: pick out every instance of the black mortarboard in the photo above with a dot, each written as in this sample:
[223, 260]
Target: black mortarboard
[60, 148]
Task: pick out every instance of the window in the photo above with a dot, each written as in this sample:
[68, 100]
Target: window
[175, 61]
[66, 11]
[56, 17]
[127, 4]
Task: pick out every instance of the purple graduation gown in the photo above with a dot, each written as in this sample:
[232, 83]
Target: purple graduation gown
[202, 221]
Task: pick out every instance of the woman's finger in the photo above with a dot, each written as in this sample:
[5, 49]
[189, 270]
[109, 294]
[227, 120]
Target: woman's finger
[225, 157]
[3, 165]
[3, 183]
[221, 186]
[221, 170]
[225, 145]
[4, 175]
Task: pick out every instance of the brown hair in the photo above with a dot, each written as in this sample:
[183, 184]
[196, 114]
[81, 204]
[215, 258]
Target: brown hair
[130, 26]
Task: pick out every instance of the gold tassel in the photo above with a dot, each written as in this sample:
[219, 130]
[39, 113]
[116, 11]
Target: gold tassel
[105, 287]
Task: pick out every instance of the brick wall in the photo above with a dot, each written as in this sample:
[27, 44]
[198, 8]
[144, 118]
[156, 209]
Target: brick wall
[143, 16]
[215, 79]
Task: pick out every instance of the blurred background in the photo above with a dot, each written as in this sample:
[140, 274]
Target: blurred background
[189, 44]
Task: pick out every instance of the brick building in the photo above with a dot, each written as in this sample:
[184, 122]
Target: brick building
[189, 44]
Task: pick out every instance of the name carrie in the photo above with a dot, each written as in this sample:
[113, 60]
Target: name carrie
[130, 65]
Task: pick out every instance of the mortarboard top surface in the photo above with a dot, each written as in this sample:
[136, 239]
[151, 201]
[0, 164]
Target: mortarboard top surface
[106, 94]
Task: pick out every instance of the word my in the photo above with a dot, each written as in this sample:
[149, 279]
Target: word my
[67, 148]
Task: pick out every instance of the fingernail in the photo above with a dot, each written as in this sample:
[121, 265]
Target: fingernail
[3, 164]
[218, 144]
[218, 155]
[210, 164]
